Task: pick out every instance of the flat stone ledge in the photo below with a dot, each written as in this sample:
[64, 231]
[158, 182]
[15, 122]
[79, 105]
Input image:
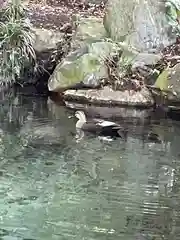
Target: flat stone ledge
[107, 96]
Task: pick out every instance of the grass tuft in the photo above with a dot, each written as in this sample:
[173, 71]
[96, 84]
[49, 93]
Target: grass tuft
[16, 43]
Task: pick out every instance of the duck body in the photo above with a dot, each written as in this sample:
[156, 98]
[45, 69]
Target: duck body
[98, 126]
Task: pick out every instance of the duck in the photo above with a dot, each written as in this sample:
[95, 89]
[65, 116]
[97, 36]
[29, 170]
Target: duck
[98, 126]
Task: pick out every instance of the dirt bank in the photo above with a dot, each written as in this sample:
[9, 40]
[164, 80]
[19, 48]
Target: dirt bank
[55, 13]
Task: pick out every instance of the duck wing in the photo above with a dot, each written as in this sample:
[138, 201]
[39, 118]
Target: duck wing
[104, 123]
[97, 125]
[102, 127]
[109, 128]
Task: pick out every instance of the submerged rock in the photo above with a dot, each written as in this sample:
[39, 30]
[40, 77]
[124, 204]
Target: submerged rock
[108, 96]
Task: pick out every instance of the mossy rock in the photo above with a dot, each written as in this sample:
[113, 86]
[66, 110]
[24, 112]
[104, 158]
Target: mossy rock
[169, 84]
[85, 65]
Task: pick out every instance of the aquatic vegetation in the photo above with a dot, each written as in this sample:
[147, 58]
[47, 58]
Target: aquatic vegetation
[16, 42]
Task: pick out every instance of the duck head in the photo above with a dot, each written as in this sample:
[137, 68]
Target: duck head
[81, 116]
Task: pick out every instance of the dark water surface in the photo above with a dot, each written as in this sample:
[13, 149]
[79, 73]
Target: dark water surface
[53, 187]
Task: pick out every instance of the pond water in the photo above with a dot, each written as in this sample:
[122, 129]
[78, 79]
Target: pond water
[55, 187]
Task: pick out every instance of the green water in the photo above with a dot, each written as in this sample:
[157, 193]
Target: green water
[53, 187]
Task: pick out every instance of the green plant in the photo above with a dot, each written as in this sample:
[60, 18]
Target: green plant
[172, 15]
[16, 43]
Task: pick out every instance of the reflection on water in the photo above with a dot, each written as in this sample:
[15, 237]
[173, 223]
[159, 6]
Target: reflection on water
[52, 187]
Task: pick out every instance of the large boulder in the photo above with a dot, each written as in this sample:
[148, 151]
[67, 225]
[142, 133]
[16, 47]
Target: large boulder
[86, 61]
[142, 24]
[85, 65]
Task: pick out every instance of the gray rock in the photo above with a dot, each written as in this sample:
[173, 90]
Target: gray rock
[88, 30]
[174, 79]
[45, 39]
[145, 59]
[50, 46]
